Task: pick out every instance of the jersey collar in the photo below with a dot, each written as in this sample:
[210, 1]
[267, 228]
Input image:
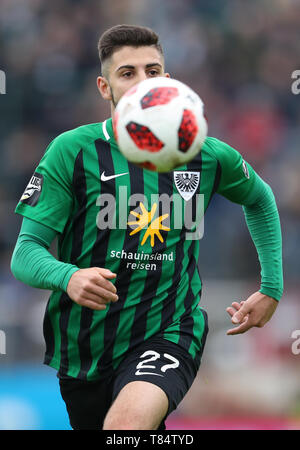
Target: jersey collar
[107, 130]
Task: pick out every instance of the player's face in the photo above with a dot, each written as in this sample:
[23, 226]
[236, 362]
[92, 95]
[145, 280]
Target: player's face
[128, 66]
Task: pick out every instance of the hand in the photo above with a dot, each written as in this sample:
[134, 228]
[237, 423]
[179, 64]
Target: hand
[92, 288]
[256, 311]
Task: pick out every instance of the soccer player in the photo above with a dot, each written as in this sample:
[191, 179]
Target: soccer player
[123, 326]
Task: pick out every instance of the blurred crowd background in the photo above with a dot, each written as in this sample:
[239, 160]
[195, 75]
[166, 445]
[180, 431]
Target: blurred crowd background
[239, 56]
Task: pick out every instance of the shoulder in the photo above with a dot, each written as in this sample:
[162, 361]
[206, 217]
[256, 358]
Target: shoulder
[80, 136]
[222, 152]
[217, 148]
[66, 146]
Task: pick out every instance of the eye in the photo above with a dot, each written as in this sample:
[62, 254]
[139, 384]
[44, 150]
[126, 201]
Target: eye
[153, 73]
[126, 74]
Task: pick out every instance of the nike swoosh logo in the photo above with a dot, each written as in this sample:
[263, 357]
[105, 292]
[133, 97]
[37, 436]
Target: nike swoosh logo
[111, 177]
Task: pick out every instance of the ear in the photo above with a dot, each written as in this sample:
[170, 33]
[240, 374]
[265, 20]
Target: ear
[104, 88]
[167, 75]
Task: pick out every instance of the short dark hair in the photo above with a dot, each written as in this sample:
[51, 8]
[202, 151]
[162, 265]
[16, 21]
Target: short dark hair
[121, 35]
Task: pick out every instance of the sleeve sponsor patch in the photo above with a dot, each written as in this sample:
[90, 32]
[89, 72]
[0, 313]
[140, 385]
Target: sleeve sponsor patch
[33, 190]
[245, 169]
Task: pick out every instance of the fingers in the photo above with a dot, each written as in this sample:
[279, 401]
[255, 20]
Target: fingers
[242, 328]
[242, 312]
[234, 308]
[91, 298]
[245, 323]
[106, 273]
[92, 288]
[98, 295]
[101, 280]
[105, 293]
[92, 305]
[105, 284]
[254, 312]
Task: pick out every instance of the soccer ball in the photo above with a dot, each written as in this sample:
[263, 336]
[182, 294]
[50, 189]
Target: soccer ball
[159, 124]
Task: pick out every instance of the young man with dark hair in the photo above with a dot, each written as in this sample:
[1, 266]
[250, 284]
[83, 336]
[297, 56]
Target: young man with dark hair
[125, 335]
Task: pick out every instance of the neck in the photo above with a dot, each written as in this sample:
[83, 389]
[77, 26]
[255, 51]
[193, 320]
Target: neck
[112, 109]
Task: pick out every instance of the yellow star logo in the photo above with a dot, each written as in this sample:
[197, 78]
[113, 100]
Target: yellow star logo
[144, 219]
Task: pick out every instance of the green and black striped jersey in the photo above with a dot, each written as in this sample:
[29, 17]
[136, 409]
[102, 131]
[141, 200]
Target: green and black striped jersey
[142, 225]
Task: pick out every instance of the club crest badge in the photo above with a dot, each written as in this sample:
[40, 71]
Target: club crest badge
[186, 183]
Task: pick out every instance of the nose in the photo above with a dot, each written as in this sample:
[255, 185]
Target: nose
[142, 75]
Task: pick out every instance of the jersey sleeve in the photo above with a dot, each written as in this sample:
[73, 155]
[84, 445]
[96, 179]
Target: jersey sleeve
[48, 199]
[237, 177]
[241, 184]
[33, 264]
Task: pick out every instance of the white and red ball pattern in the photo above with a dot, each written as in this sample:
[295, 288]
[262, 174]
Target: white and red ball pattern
[159, 124]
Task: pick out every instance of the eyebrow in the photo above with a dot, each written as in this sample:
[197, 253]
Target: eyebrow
[128, 66]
